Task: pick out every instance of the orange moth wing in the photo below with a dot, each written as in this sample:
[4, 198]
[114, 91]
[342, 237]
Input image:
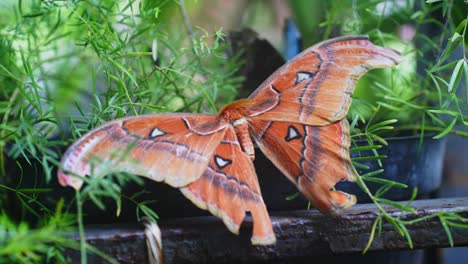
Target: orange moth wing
[313, 158]
[229, 188]
[160, 147]
[315, 87]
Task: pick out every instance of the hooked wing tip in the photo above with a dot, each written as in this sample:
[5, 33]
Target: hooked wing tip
[393, 55]
[385, 57]
[67, 180]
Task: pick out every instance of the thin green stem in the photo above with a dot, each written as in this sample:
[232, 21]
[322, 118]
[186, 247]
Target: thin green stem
[79, 208]
[431, 129]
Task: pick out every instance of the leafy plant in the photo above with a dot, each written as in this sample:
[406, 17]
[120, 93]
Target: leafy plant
[21, 244]
[68, 66]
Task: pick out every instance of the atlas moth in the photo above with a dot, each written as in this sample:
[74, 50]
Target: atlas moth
[297, 118]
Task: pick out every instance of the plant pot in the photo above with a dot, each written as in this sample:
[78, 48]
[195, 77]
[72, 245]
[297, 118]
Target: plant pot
[406, 163]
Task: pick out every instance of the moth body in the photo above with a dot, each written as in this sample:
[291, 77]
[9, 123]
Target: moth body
[235, 114]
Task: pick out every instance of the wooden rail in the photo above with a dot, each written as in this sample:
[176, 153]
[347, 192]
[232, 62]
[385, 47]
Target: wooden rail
[300, 234]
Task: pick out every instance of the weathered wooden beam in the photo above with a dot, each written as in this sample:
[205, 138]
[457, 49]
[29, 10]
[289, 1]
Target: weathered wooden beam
[300, 234]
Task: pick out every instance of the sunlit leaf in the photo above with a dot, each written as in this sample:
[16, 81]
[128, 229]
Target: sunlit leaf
[456, 75]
